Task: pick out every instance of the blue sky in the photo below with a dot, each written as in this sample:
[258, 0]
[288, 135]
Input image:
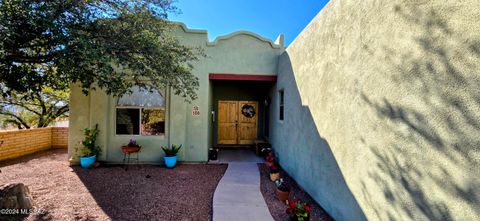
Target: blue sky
[268, 18]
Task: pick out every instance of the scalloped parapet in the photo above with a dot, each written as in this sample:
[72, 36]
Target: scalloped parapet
[248, 33]
[278, 44]
[188, 30]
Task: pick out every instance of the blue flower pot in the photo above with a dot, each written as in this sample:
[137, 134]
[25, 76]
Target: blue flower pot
[87, 162]
[170, 162]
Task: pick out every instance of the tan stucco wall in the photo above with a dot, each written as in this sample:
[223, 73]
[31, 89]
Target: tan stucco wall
[383, 110]
[236, 53]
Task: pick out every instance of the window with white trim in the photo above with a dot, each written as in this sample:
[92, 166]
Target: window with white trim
[140, 113]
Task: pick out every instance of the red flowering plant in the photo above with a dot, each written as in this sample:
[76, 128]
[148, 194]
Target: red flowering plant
[298, 211]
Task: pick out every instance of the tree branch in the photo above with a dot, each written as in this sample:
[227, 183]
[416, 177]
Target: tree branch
[21, 105]
[33, 59]
[19, 119]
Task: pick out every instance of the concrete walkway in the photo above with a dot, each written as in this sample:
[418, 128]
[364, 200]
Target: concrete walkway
[238, 155]
[238, 196]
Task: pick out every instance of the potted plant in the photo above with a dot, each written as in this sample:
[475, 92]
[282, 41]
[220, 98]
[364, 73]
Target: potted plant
[298, 211]
[264, 151]
[131, 147]
[170, 158]
[283, 190]
[89, 150]
[270, 159]
[213, 154]
[274, 172]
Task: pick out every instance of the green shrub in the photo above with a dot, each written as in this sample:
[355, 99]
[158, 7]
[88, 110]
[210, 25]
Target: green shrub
[89, 148]
[170, 152]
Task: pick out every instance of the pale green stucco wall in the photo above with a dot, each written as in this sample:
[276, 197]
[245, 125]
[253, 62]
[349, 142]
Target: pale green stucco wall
[383, 110]
[237, 53]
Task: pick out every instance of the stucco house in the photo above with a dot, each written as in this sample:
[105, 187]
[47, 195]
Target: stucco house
[239, 71]
[373, 109]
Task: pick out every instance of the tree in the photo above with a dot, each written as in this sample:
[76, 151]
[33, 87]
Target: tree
[109, 44]
[40, 109]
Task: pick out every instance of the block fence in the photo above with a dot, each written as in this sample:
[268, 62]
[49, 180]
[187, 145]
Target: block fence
[23, 142]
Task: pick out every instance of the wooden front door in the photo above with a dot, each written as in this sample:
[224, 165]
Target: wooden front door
[237, 124]
[227, 122]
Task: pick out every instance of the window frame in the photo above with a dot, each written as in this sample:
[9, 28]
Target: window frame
[281, 105]
[165, 94]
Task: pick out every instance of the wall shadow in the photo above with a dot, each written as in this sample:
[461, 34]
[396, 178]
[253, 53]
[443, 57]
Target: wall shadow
[305, 154]
[431, 168]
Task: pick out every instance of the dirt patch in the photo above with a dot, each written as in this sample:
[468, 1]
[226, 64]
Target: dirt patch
[277, 208]
[143, 192]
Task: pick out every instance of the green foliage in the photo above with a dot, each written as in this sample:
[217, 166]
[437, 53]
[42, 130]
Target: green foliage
[89, 148]
[36, 109]
[170, 152]
[111, 44]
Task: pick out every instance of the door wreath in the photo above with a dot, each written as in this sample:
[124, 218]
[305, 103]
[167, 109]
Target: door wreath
[248, 111]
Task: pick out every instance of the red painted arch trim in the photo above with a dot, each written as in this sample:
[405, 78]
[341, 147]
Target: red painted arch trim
[241, 77]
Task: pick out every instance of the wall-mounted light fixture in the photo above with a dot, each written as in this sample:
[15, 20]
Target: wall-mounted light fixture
[267, 101]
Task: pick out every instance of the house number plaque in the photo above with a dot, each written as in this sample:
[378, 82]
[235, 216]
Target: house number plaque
[195, 111]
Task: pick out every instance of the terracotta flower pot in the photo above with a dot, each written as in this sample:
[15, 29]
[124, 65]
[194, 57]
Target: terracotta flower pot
[274, 176]
[282, 196]
[129, 149]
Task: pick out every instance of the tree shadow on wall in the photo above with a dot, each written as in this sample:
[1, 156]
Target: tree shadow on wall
[435, 153]
[314, 167]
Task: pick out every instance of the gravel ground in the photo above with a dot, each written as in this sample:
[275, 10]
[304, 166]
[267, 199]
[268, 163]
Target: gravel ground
[277, 208]
[143, 192]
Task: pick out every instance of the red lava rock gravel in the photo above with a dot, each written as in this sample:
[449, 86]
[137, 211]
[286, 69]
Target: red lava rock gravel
[277, 208]
[143, 192]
